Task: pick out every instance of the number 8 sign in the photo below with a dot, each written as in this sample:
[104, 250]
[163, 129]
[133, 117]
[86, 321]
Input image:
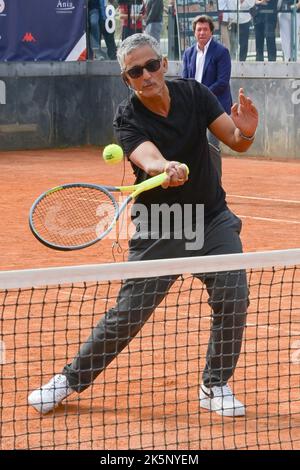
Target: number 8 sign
[110, 23]
[2, 6]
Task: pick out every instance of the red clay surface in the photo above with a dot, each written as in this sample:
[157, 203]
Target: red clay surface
[154, 406]
[25, 175]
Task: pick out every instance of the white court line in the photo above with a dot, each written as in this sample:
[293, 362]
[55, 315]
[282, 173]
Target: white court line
[276, 327]
[268, 219]
[284, 331]
[264, 198]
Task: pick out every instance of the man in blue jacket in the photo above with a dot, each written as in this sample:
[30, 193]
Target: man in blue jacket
[208, 62]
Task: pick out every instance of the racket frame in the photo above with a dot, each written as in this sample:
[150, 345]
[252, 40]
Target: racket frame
[135, 190]
[66, 186]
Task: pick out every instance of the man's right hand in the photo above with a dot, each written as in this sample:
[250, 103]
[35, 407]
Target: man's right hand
[177, 174]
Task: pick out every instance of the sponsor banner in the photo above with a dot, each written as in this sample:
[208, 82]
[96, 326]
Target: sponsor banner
[35, 30]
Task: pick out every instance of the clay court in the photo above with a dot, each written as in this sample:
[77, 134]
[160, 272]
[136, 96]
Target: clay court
[265, 193]
[148, 397]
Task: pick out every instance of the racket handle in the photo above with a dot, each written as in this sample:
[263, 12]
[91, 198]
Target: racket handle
[153, 182]
[148, 184]
[159, 179]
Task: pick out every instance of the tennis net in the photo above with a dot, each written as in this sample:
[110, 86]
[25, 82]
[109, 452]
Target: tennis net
[148, 397]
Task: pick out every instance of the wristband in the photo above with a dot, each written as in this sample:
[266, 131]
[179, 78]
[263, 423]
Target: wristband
[245, 137]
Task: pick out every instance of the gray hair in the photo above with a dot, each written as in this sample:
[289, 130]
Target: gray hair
[134, 42]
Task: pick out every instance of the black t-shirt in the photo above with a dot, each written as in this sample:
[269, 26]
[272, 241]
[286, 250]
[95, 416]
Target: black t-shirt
[181, 136]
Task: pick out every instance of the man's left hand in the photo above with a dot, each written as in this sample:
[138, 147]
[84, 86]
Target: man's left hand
[245, 115]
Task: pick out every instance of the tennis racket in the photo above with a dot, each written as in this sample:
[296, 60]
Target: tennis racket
[75, 216]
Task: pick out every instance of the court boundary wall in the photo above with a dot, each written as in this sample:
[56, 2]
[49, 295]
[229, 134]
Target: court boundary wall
[63, 104]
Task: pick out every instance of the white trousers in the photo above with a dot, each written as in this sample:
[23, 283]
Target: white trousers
[285, 26]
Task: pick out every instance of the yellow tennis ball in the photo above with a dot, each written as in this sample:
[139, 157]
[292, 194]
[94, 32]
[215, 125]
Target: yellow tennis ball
[113, 154]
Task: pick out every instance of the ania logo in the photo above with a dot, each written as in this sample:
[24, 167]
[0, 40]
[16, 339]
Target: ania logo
[2, 6]
[28, 37]
[64, 6]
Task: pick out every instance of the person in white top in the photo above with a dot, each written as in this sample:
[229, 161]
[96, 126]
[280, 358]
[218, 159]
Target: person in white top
[239, 21]
[224, 22]
[200, 60]
[286, 9]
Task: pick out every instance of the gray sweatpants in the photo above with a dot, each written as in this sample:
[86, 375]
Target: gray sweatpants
[138, 298]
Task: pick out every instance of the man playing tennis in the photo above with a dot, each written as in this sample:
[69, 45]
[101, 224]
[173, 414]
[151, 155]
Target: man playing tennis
[160, 125]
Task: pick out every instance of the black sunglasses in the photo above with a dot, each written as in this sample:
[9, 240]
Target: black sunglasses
[152, 65]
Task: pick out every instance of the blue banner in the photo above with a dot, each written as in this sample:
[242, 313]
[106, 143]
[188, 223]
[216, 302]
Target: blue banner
[42, 30]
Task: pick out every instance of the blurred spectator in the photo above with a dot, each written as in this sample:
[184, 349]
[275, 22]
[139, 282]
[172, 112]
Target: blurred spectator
[172, 25]
[224, 22]
[239, 27]
[97, 17]
[131, 17]
[285, 8]
[265, 22]
[154, 18]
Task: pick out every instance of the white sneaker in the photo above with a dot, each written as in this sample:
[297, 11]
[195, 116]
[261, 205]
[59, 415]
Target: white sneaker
[221, 400]
[49, 396]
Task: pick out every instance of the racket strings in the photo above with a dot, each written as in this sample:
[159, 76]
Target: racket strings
[74, 216]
